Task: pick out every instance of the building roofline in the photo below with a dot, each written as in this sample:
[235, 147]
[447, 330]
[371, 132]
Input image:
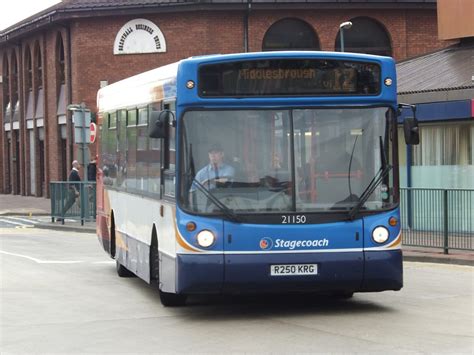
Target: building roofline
[466, 87]
[409, 73]
[66, 11]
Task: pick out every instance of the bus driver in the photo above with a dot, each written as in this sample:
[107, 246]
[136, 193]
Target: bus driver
[216, 171]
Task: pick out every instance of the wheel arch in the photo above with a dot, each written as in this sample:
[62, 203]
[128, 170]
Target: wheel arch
[112, 235]
[154, 257]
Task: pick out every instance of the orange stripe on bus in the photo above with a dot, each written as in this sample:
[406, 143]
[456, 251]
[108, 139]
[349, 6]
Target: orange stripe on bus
[179, 237]
[119, 241]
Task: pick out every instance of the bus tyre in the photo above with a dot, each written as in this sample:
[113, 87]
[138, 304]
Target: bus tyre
[172, 299]
[122, 271]
[167, 299]
[343, 295]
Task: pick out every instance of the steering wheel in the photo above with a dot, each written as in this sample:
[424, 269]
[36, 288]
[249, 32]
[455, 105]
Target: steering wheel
[221, 181]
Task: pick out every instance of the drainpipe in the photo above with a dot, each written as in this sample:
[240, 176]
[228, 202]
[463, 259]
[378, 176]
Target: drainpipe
[69, 93]
[246, 25]
[21, 94]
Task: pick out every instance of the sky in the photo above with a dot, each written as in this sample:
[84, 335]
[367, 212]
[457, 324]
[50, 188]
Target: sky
[13, 11]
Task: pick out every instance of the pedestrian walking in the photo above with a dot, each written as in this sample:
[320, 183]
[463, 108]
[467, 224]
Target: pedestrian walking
[73, 190]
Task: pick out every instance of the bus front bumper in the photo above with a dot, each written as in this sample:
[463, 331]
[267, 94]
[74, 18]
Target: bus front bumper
[250, 273]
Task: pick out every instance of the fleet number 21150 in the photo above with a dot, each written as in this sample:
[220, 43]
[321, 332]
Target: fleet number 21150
[293, 219]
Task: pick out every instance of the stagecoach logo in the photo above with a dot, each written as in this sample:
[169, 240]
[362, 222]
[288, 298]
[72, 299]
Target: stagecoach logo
[266, 243]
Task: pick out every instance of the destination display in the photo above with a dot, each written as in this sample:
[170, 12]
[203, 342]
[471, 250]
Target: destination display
[289, 77]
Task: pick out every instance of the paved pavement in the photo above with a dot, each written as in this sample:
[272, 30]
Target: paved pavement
[33, 212]
[27, 212]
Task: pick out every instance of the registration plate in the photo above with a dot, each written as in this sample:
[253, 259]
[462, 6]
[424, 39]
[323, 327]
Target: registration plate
[293, 269]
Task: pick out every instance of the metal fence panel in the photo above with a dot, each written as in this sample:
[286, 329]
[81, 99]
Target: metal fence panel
[438, 218]
[73, 200]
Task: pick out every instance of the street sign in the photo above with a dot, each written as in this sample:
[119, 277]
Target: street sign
[93, 130]
[81, 118]
[81, 135]
[82, 121]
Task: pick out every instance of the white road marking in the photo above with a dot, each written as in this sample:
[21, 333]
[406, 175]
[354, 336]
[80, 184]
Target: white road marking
[30, 221]
[41, 261]
[4, 220]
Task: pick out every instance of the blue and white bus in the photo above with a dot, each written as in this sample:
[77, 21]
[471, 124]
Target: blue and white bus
[255, 172]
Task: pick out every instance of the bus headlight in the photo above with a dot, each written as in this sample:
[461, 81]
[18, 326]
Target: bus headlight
[380, 235]
[205, 238]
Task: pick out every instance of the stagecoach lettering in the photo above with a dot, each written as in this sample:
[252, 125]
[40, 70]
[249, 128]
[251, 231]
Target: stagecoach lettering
[293, 244]
[293, 219]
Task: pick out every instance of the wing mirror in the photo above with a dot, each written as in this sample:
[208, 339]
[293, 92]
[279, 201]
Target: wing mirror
[159, 121]
[410, 126]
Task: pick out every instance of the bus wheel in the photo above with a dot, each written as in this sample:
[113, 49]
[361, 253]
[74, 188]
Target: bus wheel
[122, 271]
[167, 299]
[172, 299]
[343, 295]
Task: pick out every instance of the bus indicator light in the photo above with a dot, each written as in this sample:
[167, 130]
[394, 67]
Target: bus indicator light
[393, 221]
[190, 226]
[190, 84]
[388, 81]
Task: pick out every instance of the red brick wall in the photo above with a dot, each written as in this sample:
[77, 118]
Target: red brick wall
[211, 33]
[412, 32]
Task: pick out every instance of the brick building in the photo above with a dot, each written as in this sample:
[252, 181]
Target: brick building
[63, 54]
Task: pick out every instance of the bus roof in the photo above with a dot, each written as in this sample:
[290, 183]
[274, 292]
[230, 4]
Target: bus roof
[141, 89]
[288, 54]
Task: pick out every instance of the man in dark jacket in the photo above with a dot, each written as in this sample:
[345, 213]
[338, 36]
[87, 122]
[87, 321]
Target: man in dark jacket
[73, 188]
[92, 170]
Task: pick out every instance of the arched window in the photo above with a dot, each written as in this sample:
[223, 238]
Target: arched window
[60, 60]
[29, 70]
[14, 80]
[6, 82]
[29, 83]
[38, 67]
[365, 36]
[290, 34]
[38, 82]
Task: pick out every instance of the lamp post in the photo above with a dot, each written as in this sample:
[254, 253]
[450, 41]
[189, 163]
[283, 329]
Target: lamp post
[344, 26]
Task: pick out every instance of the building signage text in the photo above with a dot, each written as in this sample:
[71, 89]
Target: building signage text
[139, 36]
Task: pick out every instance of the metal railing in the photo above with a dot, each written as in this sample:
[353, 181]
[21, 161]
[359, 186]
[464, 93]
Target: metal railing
[437, 218]
[73, 200]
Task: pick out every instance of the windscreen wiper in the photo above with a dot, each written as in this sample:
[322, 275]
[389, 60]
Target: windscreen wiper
[226, 210]
[376, 181]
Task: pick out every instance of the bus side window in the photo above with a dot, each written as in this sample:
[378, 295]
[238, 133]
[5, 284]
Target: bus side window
[111, 165]
[132, 150]
[142, 150]
[154, 160]
[121, 149]
[169, 174]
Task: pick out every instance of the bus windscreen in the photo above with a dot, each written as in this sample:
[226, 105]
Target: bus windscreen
[289, 77]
